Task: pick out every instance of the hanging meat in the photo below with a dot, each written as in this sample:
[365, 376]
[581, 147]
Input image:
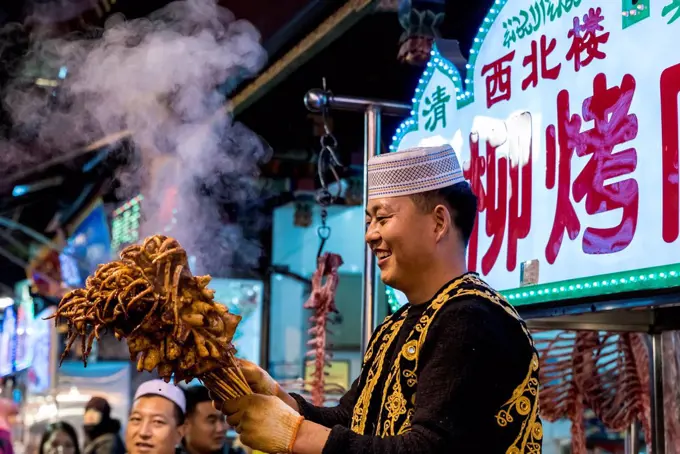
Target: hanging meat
[605, 372]
[322, 303]
[168, 317]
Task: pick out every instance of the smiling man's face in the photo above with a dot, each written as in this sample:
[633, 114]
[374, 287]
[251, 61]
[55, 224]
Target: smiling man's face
[402, 238]
[152, 427]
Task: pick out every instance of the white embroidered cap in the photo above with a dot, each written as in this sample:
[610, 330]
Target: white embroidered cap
[413, 171]
[160, 388]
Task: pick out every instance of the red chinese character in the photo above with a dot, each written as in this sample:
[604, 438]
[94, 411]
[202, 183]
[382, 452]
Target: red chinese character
[496, 205]
[568, 129]
[498, 83]
[585, 39]
[494, 201]
[670, 88]
[474, 174]
[612, 126]
[519, 221]
[532, 59]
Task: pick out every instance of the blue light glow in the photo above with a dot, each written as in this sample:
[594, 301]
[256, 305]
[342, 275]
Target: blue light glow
[20, 190]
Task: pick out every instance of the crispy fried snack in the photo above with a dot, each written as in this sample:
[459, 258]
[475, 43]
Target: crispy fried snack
[167, 315]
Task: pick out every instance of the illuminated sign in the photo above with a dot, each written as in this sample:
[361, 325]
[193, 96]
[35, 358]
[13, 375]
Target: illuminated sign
[566, 122]
[42, 352]
[8, 342]
[125, 224]
[25, 317]
[244, 298]
[88, 246]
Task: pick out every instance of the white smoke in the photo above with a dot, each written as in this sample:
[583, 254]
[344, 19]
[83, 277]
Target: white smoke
[157, 77]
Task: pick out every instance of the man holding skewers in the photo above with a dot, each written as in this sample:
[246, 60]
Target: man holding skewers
[453, 370]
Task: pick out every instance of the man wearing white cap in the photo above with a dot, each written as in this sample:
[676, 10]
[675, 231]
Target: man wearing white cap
[455, 370]
[156, 421]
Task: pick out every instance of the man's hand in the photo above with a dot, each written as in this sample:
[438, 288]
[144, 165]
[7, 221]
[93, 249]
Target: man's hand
[258, 379]
[265, 423]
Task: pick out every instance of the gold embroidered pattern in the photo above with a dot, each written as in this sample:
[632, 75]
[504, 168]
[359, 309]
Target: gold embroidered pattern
[524, 402]
[519, 415]
[385, 336]
[369, 351]
[402, 384]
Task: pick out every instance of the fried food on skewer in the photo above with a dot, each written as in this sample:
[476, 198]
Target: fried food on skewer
[167, 315]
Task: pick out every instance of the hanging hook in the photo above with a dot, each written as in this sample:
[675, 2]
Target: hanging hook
[323, 165]
[327, 161]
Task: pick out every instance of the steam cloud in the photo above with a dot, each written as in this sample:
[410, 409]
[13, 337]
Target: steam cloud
[158, 77]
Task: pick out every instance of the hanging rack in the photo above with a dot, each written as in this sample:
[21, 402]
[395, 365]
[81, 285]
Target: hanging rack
[327, 161]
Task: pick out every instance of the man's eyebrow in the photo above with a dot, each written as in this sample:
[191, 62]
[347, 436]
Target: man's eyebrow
[152, 414]
[381, 206]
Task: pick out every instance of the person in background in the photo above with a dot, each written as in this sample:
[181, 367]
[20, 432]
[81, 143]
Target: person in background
[101, 431]
[156, 421]
[7, 410]
[205, 429]
[59, 438]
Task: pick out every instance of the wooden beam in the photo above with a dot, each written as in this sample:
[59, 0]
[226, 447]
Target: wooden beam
[329, 30]
[108, 140]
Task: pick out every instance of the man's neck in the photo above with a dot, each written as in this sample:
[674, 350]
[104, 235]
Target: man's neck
[435, 279]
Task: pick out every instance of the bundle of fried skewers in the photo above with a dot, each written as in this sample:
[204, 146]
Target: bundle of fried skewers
[167, 315]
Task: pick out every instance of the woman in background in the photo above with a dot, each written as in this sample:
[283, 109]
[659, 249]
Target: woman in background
[59, 438]
[102, 433]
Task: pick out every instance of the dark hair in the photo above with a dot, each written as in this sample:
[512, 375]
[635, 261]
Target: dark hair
[179, 414]
[460, 200]
[101, 405]
[59, 427]
[196, 395]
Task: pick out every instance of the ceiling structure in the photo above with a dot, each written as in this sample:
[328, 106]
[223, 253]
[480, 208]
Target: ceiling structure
[357, 54]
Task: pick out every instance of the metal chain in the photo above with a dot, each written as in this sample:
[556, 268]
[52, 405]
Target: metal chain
[327, 160]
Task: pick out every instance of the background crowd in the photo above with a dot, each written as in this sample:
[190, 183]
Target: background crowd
[164, 419]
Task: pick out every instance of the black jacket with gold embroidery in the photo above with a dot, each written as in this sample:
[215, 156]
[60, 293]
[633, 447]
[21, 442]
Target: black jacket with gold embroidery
[458, 374]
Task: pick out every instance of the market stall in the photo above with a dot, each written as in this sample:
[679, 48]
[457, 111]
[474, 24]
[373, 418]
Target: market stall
[565, 116]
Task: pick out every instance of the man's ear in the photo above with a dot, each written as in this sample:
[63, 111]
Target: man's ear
[442, 219]
[181, 431]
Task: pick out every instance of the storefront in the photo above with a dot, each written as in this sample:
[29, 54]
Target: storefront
[565, 117]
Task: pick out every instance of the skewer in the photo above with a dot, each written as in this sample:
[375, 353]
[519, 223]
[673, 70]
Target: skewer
[147, 297]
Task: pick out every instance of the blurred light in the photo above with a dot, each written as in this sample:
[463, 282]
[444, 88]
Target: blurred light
[46, 82]
[63, 398]
[62, 72]
[6, 301]
[20, 190]
[46, 412]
